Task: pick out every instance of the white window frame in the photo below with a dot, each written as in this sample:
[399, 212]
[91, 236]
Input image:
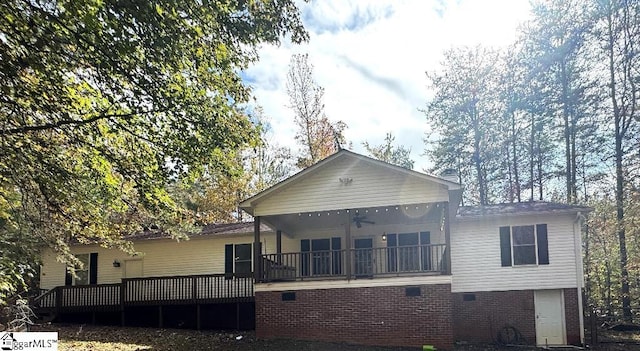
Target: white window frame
[513, 245]
[86, 270]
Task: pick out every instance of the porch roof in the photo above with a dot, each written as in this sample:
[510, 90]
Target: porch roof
[346, 180]
[214, 229]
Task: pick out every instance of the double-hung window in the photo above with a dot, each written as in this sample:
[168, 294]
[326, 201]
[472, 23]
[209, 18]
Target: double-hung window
[524, 245]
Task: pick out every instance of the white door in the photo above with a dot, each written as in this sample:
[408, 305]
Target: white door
[133, 268]
[550, 327]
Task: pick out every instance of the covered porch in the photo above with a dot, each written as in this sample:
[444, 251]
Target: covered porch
[357, 243]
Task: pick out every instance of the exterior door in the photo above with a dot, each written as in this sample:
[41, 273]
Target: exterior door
[363, 257]
[550, 327]
[133, 268]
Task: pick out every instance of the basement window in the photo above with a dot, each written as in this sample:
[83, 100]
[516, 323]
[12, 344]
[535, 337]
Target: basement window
[288, 296]
[412, 291]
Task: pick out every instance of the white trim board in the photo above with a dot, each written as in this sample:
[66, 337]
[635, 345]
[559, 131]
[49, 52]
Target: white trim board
[355, 283]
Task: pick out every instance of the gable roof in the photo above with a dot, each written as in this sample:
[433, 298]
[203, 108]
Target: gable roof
[248, 204]
[531, 207]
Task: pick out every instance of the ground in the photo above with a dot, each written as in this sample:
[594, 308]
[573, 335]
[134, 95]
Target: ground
[85, 338]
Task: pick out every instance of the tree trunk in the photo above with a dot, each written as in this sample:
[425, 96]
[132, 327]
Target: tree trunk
[477, 160]
[567, 141]
[515, 156]
[532, 161]
[619, 152]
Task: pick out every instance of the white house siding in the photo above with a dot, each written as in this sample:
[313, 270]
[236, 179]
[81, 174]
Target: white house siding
[160, 258]
[475, 255]
[371, 186]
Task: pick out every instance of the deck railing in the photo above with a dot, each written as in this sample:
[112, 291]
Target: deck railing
[364, 263]
[148, 291]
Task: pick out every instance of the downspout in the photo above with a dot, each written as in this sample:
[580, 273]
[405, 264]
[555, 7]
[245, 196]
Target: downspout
[577, 234]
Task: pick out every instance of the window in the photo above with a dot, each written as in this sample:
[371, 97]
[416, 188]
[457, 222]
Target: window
[524, 245]
[82, 272]
[238, 260]
[86, 273]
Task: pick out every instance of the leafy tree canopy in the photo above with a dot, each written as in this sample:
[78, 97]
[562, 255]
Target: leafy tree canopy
[387, 152]
[104, 102]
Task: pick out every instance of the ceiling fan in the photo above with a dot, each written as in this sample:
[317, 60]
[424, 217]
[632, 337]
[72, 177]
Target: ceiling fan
[358, 220]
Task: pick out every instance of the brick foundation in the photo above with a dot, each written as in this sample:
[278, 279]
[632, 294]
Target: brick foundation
[382, 316]
[480, 321]
[572, 316]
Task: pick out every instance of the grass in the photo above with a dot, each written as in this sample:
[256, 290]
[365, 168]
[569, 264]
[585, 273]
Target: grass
[101, 338]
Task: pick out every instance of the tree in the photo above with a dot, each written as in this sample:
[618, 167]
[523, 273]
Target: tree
[269, 162]
[317, 135]
[619, 29]
[556, 53]
[104, 103]
[462, 113]
[387, 152]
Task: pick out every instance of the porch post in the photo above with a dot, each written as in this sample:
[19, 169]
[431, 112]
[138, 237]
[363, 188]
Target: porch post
[279, 246]
[447, 239]
[257, 254]
[347, 246]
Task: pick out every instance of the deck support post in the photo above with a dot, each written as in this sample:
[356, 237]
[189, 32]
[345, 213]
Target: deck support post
[447, 239]
[58, 299]
[237, 315]
[347, 245]
[198, 323]
[279, 246]
[123, 287]
[257, 254]
[160, 316]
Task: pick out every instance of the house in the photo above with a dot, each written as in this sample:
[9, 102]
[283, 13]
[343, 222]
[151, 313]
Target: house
[357, 250]
[6, 342]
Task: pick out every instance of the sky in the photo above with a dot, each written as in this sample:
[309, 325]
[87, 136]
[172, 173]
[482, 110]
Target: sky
[371, 57]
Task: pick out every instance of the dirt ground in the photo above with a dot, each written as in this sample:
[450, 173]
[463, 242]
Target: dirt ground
[94, 338]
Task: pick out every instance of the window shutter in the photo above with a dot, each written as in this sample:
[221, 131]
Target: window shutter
[505, 246]
[392, 252]
[305, 247]
[93, 268]
[68, 278]
[392, 240]
[336, 256]
[425, 238]
[228, 261]
[543, 244]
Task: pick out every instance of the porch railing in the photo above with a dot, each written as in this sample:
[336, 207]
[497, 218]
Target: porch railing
[364, 263]
[210, 288]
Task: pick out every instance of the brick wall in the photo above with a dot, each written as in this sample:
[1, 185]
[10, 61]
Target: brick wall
[482, 319]
[571, 316]
[374, 316]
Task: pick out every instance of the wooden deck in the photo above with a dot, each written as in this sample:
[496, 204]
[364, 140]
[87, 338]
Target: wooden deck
[354, 263]
[154, 291]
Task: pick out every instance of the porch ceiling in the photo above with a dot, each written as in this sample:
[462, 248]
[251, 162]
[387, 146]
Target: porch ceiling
[294, 223]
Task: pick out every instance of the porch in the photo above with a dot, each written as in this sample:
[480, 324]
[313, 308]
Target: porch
[153, 293]
[359, 263]
[346, 244]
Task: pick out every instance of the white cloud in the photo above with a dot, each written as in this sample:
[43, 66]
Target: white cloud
[371, 58]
